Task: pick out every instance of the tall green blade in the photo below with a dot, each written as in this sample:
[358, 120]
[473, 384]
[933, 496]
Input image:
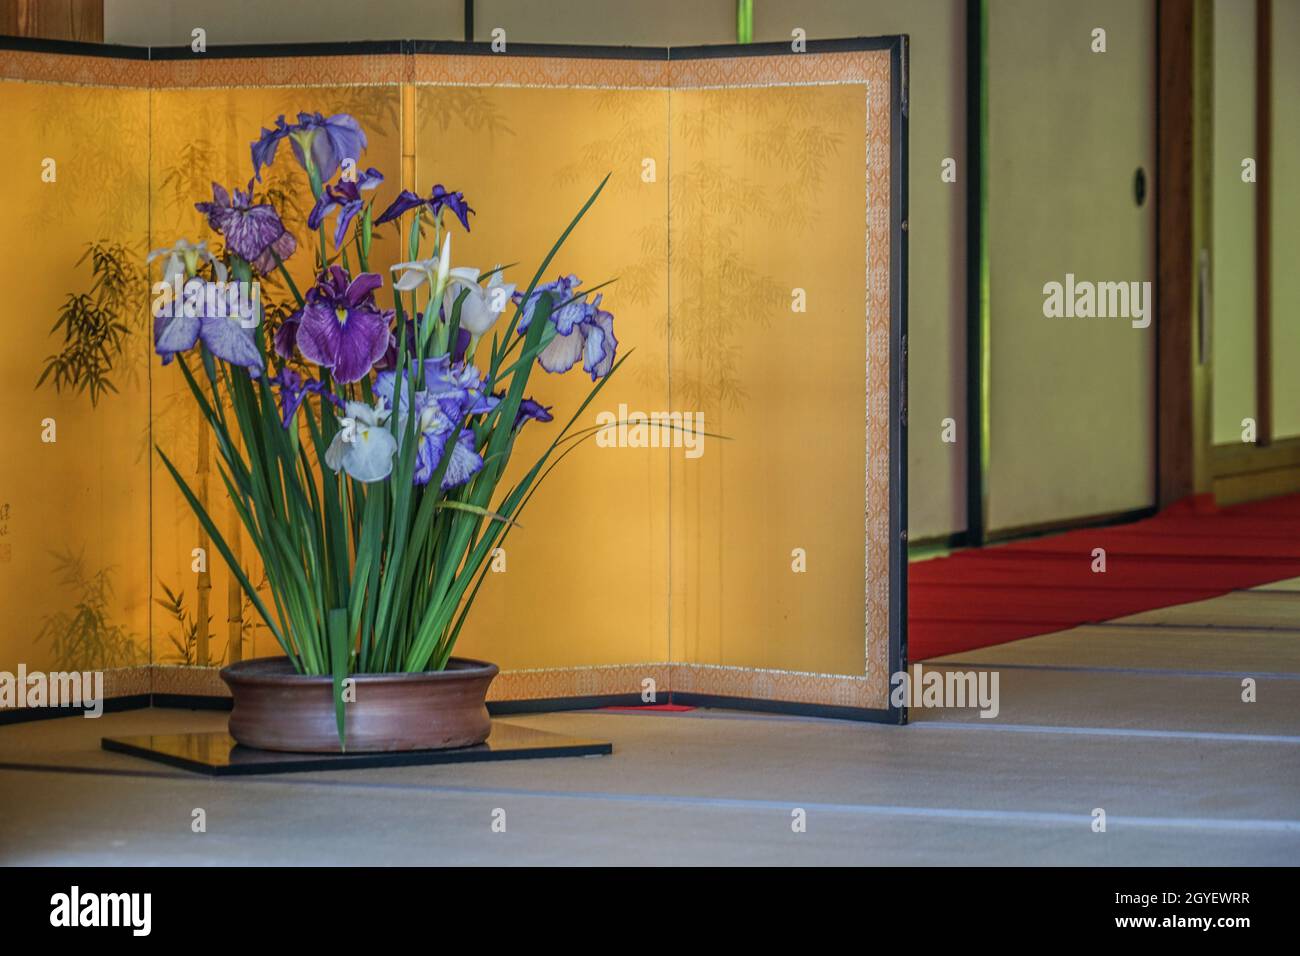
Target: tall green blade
[339, 660]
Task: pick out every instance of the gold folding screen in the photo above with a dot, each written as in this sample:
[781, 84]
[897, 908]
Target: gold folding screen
[754, 224]
[74, 477]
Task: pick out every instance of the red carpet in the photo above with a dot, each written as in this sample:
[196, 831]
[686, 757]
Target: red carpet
[1188, 552]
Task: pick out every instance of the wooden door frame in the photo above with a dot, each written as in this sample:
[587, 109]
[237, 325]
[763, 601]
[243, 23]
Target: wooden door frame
[1177, 301]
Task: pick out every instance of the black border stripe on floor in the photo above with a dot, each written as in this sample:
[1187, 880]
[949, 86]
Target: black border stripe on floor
[1136, 733]
[1229, 629]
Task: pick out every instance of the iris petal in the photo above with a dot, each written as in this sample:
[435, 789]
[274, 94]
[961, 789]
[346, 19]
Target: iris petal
[286, 336]
[362, 287]
[405, 201]
[561, 353]
[411, 279]
[600, 345]
[174, 334]
[227, 339]
[369, 456]
[361, 343]
[465, 462]
[346, 214]
[319, 334]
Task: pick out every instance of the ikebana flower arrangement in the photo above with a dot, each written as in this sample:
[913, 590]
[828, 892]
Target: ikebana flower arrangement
[364, 439]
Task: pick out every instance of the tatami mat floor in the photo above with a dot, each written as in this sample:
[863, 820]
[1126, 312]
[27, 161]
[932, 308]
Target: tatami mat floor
[1142, 718]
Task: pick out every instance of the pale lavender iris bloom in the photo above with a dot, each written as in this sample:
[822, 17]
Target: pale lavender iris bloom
[584, 331]
[564, 316]
[330, 141]
[458, 387]
[433, 428]
[207, 312]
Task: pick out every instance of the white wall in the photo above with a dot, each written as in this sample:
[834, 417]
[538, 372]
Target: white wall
[608, 22]
[169, 22]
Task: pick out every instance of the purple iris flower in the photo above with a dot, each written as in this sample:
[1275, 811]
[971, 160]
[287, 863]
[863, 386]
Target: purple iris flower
[207, 312]
[453, 390]
[286, 336]
[253, 231]
[434, 427]
[585, 331]
[458, 388]
[564, 316]
[531, 410]
[293, 389]
[341, 328]
[598, 343]
[460, 383]
[590, 340]
[331, 141]
[345, 196]
[407, 200]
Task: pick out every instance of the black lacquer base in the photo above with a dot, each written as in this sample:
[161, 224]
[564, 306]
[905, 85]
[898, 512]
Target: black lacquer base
[216, 753]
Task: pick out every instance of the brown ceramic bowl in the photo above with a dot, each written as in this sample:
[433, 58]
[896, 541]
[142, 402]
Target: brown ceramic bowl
[277, 708]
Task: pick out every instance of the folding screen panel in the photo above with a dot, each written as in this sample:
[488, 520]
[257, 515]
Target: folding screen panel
[750, 551]
[780, 323]
[74, 503]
